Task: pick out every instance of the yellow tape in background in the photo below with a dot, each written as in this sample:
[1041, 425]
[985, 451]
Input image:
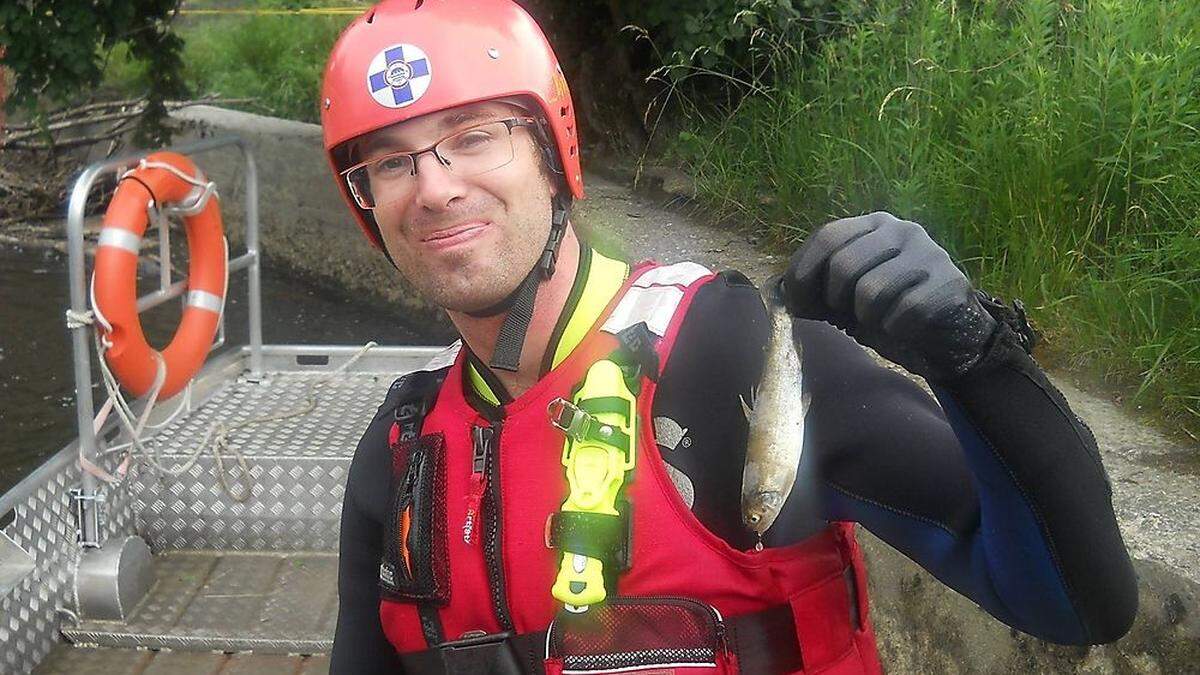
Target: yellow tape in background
[305, 10]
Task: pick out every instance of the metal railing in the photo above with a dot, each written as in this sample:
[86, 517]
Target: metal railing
[168, 289]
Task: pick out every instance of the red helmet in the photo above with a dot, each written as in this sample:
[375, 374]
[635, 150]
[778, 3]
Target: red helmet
[406, 58]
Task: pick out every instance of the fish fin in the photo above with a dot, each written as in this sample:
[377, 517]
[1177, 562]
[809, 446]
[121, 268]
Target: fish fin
[746, 409]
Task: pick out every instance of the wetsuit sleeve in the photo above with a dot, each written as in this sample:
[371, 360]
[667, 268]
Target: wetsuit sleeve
[999, 493]
[1001, 496]
[1016, 429]
[359, 645]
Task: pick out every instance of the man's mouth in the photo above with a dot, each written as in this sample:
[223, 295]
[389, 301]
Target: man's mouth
[456, 234]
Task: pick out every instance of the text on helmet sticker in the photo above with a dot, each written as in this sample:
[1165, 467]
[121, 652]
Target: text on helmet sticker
[399, 75]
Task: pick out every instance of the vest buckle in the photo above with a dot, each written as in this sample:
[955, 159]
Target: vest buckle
[479, 652]
[567, 417]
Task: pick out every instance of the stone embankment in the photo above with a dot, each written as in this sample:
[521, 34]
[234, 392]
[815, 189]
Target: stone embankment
[923, 627]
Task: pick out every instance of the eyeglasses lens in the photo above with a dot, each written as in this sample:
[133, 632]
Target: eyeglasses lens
[467, 153]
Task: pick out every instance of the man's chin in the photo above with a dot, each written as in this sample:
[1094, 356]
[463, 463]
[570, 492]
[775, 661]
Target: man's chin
[471, 304]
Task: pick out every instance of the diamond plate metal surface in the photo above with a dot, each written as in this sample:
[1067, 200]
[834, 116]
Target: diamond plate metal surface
[276, 603]
[44, 526]
[298, 466]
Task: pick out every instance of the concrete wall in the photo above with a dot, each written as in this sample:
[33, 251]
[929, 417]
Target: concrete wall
[924, 627]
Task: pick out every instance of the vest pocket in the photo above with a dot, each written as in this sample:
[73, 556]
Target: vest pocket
[640, 635]
[415, 567]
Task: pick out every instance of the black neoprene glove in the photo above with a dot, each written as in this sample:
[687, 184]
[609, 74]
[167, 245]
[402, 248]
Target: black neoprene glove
[892, 288]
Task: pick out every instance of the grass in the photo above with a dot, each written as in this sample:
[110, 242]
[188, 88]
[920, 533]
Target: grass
[1054, 149]
[275, 59]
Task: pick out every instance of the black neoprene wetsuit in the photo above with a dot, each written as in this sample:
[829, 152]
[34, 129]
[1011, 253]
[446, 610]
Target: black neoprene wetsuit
[999, 491]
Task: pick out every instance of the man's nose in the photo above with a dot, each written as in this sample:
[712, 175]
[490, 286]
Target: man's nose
[437, 186]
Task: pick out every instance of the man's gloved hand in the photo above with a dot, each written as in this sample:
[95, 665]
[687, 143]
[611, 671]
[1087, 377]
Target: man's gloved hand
[892, 288]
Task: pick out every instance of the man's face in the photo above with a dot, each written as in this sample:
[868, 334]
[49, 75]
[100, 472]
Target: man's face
[464, 242]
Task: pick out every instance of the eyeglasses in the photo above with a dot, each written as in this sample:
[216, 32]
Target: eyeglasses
[469, 152]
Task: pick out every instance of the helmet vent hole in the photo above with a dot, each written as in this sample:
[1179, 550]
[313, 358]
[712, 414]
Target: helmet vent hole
[562, 112]
[371, 16]
[419, 3]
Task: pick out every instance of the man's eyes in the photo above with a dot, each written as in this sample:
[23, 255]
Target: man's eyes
[392, 164]
[470, 140]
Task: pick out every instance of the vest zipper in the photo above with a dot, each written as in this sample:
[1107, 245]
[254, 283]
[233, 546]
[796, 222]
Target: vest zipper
[480, 452]
[489, 442]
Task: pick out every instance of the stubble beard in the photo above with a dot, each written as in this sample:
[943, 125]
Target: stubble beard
[482, 277]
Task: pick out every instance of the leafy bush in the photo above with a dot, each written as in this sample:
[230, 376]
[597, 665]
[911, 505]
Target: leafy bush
[56, 48]
[709, 54]
[1055, 149]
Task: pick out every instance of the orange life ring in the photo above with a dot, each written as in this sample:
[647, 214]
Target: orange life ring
[163, 178]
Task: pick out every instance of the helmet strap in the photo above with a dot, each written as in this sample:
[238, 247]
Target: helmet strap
[511, 339]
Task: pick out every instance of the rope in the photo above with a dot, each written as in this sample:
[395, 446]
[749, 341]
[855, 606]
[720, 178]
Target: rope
[216, 438]
[79, 319]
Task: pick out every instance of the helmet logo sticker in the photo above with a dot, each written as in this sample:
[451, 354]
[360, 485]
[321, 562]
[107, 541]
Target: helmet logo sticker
[399, 75]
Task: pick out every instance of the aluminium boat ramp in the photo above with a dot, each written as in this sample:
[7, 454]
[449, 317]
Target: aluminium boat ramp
[215, 551]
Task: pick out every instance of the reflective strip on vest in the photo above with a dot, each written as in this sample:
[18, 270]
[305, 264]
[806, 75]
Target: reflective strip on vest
[654, 297]
[680, 274]
[443, 359]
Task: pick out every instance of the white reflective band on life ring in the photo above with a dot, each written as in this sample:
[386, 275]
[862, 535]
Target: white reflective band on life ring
[205, 300]
[122, 239]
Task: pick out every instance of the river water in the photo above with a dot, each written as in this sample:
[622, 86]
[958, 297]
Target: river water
[37, 400]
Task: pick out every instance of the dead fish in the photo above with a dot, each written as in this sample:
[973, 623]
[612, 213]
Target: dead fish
[776, 417]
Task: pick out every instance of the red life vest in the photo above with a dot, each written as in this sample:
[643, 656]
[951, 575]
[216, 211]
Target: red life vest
[673, 554]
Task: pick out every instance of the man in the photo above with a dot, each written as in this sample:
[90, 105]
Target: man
[452, 134]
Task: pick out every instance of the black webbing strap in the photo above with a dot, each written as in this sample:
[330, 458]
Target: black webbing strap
[596, 535]
[765, 642]
[431, 622]
[498, 654]
[639, 353]
[606, 404]
[511, 338]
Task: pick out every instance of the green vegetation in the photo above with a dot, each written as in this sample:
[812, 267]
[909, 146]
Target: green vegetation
[275, 59]
[1055, 149]
[46, 43]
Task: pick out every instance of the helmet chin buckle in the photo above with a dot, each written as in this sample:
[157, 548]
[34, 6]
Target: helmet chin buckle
[558, 230]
